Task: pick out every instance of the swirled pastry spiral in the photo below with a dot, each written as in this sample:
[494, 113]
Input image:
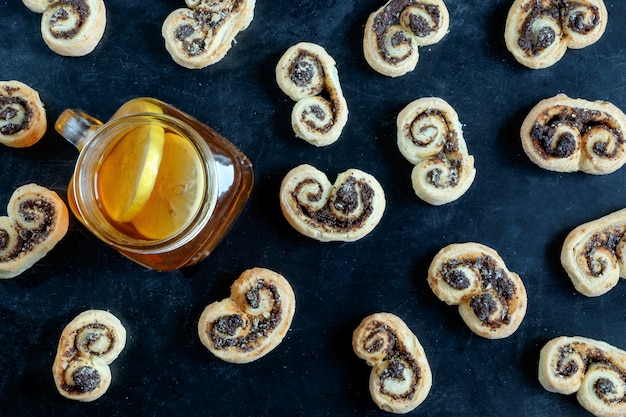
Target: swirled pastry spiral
[87, 346]
[203, 33]
[431, 137]
[22, 115]
[70, 27]
[394, 32]
[253, 321]
[594, 254]
[567, 135]
[492, 300]
[37, 220]
[308, 75]
[595, 370]
[538, 32]
[345, 211]
[401, 378]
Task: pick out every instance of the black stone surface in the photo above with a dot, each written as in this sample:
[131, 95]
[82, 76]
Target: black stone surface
[515, 207]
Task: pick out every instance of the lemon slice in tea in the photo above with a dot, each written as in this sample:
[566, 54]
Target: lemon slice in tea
[135, 106]
[128, 172]
[178, 192]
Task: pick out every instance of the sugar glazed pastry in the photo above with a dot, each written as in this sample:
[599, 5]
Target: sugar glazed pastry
[22, 115]
[430, 136]
[345, 211]
[492, 300]
[394, 32]
[203, 33]
[37, 220]
[71, 28]
[593, 254]
[400, 379]
[308, 75]
[87, 346]
[566, 135]
[539, 32]
[594, 370]
[253, 321]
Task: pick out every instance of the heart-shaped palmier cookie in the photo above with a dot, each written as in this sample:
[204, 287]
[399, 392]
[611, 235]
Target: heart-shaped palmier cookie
[22, 115]
[492, 300]
[70, 28]
[345, 211]
[202, 34]
[400, 379]
[539, 32]
[37, 220]
[566, 135]
[594, 370]
[87, 346]
[308, 75]
[253, 321]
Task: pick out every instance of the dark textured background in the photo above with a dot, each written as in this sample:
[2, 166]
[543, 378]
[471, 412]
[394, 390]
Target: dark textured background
[513, 206]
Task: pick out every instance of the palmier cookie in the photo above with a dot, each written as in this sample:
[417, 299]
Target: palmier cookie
[593, 254]
[37, 220]
[308, 75]
[345, 211]
[87, 346]
[567, 135]
[71, 28]
[539, 32]
[394, 32]
[22, 115]
[401, 378]
[430, 136]
[594, 370]
[253, 321]
[492, 300]
[202, 34]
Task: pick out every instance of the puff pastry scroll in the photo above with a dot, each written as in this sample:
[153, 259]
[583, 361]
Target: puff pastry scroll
[70, 27]
[567, 135]
[37, 220]
[593, 254]
[203, 33]
[430, 136]
[492, 300]
[22, 115]
[308, 75]
[401, 378]
[539, 32]
[253, 321]
[594, 370]
[88, 344]
[345, 211]
[394, 32]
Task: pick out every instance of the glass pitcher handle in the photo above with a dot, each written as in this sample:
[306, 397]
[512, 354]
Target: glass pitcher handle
[77, 127]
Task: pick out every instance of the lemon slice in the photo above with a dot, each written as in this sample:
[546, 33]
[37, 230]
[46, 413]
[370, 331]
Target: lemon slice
[129, 171]
[135, 106]
[178, 192]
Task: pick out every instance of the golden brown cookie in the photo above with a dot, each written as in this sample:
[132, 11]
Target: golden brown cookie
[394, 32]
[539, 32]
[566, 135]
[71, 28]
[492, 300]
[203, 33]
[344, 211]
[308, 75]
[87, 346]
[594, 370]
[37, 220]
[430, 136]
[22, 115]
[253, 321]
[593, 254]
[401, 378]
